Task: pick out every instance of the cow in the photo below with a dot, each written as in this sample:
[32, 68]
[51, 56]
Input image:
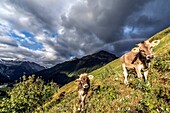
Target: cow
[138, 59]
[83, 88]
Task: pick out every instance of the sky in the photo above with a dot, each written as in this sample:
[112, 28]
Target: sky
[48, 32]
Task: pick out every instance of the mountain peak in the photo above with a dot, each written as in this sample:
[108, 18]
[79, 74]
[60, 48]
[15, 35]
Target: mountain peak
[103, 52]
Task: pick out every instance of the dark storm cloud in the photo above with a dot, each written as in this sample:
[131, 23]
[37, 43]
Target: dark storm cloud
[155, 16]
[99, 24]
[103, 18]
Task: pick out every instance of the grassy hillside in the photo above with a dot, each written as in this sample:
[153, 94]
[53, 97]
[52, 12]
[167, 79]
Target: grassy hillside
[108, 94]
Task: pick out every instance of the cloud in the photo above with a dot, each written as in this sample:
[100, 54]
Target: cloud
[8, 41]
[52, 31]
[150, 19]
[98, 24]
[16, 52]
[36, 15]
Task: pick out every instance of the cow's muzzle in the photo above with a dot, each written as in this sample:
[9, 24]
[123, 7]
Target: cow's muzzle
[148, 57]
[85, 86]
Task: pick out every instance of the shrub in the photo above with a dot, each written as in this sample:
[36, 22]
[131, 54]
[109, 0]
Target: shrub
[157, 100]
[162, 64]
[27, 95]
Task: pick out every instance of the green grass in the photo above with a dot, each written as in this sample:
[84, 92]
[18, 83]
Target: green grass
[108, 94]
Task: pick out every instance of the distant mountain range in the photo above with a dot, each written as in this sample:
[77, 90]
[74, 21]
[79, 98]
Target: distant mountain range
[62, 73]
[11, 70]
[67, 71]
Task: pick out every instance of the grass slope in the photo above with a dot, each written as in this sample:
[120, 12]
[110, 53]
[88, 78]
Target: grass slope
[108, 94]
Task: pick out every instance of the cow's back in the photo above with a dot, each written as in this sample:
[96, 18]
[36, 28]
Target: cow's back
[129, 59]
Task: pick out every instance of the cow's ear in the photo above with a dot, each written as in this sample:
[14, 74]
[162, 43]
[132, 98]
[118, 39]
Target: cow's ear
[155, 43]
[77, 80]
[91, 76]
[135, 49]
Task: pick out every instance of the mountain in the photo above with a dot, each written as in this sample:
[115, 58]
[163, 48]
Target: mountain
[67, 71]
[108, 93]
[11, 70]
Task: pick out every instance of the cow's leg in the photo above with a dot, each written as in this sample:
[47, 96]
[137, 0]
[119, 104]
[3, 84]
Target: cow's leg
[145, 75]
[138, 71]
[79, 108]
[125, 73]
[83, 101]
[80, 103]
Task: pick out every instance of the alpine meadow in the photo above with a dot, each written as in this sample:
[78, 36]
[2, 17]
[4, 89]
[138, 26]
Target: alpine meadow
[108, 93]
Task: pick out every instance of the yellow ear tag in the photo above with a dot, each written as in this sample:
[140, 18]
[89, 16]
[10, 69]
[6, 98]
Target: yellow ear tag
[155, 43]
[135, 49]
[91, 76]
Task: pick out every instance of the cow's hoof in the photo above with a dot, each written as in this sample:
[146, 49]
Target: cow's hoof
[126, 82]
[78, 109]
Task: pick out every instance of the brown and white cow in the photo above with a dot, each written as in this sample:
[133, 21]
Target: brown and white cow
[83, 88]
[138, 59]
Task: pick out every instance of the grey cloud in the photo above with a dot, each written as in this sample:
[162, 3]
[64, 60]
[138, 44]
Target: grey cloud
[150, 19]
[5, 40]
[103, 18]
[97, 24]
[20, 53]
[75, 44]
[42, 14]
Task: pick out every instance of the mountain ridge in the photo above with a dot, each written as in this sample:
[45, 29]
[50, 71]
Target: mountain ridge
[11, 70]
[67, 71]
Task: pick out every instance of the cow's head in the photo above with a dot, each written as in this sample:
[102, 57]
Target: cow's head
[84, 80]
[145, 49]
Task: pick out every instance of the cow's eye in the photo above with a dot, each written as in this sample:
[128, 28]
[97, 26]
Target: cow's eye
[142, 51]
